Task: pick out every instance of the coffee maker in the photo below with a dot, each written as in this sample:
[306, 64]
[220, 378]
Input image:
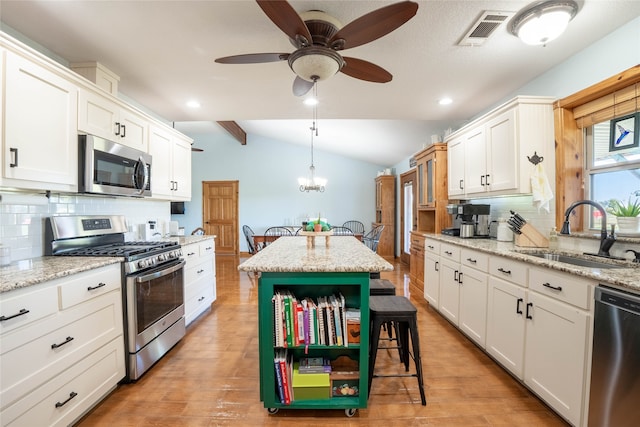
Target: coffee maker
[469, 220]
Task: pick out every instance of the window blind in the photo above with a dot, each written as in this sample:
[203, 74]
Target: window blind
[616, 104]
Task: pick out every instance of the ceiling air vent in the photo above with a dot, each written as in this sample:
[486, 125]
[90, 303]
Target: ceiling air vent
[484, 27]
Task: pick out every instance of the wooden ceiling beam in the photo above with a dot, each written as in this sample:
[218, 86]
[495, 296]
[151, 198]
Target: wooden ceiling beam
[235, 130]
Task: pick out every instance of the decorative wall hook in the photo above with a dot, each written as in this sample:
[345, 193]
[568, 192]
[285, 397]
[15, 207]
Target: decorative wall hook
[535, 159]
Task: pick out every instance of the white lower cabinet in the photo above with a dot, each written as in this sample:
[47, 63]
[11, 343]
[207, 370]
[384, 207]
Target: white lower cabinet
[55, 364]
[473, 295]
[449, 282]
[533, 321]
[200, 278]
[505, 324]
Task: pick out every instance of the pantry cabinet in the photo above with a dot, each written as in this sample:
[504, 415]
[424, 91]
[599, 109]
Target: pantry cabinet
[489, 157]
[102, 116]
[39, 139]
[171, 164]
[431, 174]
[70, 330]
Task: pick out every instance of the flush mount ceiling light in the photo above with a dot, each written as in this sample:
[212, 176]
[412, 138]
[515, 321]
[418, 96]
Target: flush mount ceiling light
[543, 21]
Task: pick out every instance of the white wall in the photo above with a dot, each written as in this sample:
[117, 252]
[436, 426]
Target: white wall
[268, 172]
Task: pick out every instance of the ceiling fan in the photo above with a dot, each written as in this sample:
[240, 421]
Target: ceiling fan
[318, 38]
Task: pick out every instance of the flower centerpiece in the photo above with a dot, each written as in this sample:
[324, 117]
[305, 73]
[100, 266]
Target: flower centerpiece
[627, 215]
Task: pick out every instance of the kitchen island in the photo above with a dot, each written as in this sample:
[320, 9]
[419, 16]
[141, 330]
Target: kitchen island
[342, 270]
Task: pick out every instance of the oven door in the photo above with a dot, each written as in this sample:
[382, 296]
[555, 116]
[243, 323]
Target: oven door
[155, 301]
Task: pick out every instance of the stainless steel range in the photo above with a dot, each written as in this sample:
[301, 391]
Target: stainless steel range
[153, 281]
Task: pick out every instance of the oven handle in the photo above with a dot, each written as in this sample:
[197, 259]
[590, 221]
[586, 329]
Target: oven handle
[163, 272]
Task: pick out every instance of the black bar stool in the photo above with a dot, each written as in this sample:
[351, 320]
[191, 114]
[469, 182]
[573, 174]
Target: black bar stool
[404, 315]
[381, 287]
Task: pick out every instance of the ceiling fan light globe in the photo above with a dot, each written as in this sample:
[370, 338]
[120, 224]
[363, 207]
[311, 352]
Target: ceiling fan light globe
[315, 63]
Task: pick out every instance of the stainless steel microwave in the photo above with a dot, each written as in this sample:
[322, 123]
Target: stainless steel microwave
[107, 167]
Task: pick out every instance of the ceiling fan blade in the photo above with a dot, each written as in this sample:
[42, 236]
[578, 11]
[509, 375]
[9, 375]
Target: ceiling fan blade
[373, 25]
[286, 18]
[301, 86]
[197, 150]
[365, 70]
[253, 58]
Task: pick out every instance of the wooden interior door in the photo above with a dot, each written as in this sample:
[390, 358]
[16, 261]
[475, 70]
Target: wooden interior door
[407, 178]
[220, 214]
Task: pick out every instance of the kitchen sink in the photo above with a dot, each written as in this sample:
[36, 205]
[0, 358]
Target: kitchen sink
[577, 260]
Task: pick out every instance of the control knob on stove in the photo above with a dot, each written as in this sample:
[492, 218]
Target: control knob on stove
[142, 263]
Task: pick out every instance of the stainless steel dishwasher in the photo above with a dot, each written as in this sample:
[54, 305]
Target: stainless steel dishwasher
[615, 370]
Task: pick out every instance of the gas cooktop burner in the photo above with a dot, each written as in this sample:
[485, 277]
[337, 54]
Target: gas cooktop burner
[126, 249]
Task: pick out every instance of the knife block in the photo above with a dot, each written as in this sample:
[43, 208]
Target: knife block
[531, 238]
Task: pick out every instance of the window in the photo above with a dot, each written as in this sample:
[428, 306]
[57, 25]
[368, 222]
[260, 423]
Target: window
[612, 173]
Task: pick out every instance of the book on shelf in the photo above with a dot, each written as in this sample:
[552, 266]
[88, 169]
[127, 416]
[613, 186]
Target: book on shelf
[314, 365]
[283, 365]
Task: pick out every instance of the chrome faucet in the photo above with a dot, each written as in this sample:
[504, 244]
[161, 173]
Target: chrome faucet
[606, 241]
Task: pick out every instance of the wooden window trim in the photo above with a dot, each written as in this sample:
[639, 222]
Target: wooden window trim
[569, 137]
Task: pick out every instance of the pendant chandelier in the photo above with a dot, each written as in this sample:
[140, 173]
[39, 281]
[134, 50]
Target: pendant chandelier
[313, 182]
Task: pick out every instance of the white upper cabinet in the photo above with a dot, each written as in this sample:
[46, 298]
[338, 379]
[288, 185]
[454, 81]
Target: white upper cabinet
[39, 116]
[170, 164]
[489, 157]
[98, 115]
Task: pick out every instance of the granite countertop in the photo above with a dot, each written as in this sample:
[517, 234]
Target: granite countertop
[627, 277]
[290, 254]
[20, 274]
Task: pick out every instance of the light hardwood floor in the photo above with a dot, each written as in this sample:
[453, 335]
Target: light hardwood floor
[211, 377]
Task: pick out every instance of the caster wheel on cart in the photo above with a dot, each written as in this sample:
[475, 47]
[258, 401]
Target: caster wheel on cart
[272, 410]
[350, 412]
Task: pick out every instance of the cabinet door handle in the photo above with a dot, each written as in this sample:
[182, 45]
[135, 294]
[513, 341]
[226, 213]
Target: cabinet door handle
[176, 185]
[22, 312]
[66, 341]
[472, 261]
[191, 254]
[518, 309]
[482, 180]
[529, 305]
[430, 247]
[200, 299]
[487, 179]
[550, 286]
[71, 396]
[455, 276]
[117, 128]
[124, 131]
[14, 157]
[460, 184]
[99, 285]
[502, 270]
[460, 277]
[435, 266]
[200, 271]
[448, 253]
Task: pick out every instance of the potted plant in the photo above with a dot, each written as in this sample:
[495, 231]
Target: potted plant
[627, 215]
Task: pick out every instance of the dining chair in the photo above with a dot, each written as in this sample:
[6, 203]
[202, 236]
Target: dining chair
[248, 234]
[356, 226]
[341, 231]
[276, 231]
[372, 238]
[198, 232]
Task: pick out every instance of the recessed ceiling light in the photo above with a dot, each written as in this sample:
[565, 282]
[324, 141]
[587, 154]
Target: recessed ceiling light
[193, 104]
[445, 101]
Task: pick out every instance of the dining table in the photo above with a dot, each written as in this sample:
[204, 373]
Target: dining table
[261, 240]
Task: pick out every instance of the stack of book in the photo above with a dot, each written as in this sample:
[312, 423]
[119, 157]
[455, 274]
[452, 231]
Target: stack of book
[303, 321]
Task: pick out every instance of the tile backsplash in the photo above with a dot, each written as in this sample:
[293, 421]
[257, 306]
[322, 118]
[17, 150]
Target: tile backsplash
[22, 216]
